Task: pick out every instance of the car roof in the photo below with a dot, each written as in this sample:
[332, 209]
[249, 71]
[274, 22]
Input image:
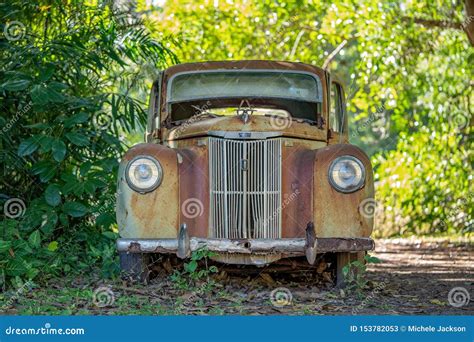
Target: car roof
[242, 65]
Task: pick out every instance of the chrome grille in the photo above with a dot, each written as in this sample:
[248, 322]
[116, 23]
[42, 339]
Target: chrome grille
[245, 188]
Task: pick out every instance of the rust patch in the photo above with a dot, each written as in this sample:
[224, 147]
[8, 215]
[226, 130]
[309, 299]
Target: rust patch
[337, 214]
[194, 189]
[234, 123]
[154, 214]
[297, 188]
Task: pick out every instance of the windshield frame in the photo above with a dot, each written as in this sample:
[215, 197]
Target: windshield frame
[319, 95]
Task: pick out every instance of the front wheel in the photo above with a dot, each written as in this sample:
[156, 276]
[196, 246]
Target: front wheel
[134, 266]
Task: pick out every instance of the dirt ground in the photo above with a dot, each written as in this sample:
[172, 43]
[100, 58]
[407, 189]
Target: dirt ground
[414, 277]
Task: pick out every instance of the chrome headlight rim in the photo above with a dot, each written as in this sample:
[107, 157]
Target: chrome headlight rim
[156, 184]
[337, 187]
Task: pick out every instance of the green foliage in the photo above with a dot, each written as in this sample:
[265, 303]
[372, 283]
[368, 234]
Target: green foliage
[409, 88]
[191, 273]
[71, 86]
[355, 274]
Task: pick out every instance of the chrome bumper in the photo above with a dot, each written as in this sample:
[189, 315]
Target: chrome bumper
[291, 246]
[183, 246]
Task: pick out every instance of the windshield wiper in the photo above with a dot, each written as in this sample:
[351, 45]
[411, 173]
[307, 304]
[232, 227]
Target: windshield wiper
[204, 115]
[304, 120]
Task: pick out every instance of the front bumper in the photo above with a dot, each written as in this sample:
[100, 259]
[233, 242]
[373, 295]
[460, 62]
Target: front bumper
[289, 247]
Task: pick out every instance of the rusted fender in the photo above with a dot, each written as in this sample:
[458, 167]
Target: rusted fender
[338, 214]
[154, 214]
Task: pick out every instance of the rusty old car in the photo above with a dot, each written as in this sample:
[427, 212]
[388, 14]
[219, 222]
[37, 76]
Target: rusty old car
[249, 159]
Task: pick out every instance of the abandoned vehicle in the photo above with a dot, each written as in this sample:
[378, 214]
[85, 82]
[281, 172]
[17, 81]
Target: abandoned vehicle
[249, 159]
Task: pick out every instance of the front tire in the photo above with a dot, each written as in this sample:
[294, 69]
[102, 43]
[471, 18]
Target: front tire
[134, 266]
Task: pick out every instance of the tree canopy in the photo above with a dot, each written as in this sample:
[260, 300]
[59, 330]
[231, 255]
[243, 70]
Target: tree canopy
[408, 69]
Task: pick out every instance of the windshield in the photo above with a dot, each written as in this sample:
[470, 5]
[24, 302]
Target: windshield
[265, 93]
[308, 111]
[264, 84]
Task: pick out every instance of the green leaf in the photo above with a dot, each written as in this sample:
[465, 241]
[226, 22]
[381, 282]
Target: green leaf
[32, 272]
[372, 260]
[39, 125]
[49, 222]
[4, 246]
[39, 95]
[53, 246]
[35, 239]
[16, 267]
[21, 248]
[64, 219]
[75, 209]
[345, 270]
[28, 146]
[52, 195]
[47, 72]
[46, 143]
[77, 139]
[45, 169]
[76, 119]
[110, 235]
[191, 266]
[16, 84]
[105, 220]
[89, 187]
[59, 150]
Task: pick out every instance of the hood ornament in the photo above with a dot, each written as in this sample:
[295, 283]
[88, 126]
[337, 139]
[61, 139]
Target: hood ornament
[245, 112]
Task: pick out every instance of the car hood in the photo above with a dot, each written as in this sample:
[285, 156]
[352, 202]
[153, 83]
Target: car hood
[274, 126]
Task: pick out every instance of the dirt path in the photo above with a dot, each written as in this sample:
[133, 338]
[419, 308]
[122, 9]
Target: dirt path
[414, 277]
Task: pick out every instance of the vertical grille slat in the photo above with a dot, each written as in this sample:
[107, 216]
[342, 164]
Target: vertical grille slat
[245, 188]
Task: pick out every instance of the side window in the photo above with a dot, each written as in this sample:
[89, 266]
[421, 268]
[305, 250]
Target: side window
[336, 115]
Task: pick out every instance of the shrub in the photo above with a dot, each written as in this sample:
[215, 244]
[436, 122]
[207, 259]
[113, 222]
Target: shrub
[71, 88]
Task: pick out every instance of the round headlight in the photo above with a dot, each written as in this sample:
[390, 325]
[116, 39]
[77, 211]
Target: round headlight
[144, 174]
[346, 174]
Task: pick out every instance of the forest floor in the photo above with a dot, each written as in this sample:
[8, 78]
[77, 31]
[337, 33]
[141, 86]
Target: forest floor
[414, 277]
